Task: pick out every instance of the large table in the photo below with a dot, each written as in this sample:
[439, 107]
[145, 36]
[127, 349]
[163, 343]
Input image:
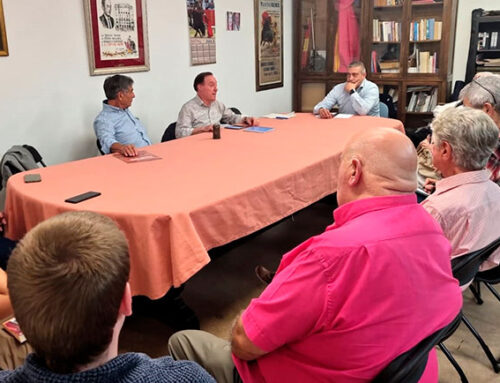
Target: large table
[203, 193]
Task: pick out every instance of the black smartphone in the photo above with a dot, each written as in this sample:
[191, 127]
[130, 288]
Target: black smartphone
[82, 197]
[35, 177]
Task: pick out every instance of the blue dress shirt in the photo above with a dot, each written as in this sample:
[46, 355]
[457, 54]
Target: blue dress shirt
[119, 125]
[365, 101]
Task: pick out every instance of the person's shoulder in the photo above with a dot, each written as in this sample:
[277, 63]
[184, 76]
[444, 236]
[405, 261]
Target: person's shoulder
[170, 370]
[6, 375]
[371, 84]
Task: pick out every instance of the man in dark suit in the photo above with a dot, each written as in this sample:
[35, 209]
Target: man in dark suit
[106, 20]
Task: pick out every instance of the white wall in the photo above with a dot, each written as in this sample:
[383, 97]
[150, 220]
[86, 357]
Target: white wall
[49, 100]
[462, 34]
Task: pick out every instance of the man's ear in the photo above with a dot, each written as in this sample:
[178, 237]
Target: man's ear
[446, 150]
[488, 109]
[355, 171]
[126, 303]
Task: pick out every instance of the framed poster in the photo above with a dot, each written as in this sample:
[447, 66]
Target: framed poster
[4, 49]
[268, 44]
[116, 36]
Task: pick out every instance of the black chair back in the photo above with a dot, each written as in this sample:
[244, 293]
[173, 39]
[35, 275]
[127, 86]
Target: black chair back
[466, 266]
[235, 110]
[98, 143]
[410, 366]
[169, 133]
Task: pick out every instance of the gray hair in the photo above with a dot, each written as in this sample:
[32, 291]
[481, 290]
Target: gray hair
[482, 90]
[358, 64]
[471, 133]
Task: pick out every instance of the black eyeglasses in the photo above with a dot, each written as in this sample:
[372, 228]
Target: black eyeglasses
[487, 90]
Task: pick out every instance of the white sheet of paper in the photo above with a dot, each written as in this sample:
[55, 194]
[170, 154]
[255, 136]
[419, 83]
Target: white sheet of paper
[343, 115]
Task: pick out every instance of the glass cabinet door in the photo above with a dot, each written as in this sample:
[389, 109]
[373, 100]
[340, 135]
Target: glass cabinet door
[385, 52]
[425, 36]
[314, 28]
[347, 34]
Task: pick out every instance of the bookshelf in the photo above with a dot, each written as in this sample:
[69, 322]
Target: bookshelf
[484, 49]
[406, 45]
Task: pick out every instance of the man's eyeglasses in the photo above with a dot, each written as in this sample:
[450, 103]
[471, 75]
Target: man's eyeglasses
[487, 90]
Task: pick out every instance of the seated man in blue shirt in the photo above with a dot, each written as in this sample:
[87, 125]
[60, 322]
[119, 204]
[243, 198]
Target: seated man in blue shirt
[68, 283]
[116, 127]
[355, 96]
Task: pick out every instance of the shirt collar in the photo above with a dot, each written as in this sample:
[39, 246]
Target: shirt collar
[111, 108]
[472, 177]
[200, 101]
[361, 86]
[354, 209]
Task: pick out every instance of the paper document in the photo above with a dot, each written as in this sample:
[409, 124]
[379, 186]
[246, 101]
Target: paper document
[343, 115]
[258, 129]
[280, 116]
[142, 156]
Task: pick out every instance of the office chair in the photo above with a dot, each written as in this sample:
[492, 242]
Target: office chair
[383, 110]
[169, 133]
[465, 268]
[410, 366]
[489, 278]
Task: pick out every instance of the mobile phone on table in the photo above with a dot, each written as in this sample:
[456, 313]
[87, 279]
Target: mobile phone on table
[82, 197]
[35, 177]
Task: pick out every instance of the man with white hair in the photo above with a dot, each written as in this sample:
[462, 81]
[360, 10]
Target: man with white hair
[484, 93]
[466, 203]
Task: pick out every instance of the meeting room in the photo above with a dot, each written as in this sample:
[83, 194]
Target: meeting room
[250, 191]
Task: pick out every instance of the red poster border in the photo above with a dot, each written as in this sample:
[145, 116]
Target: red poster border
[118, 63]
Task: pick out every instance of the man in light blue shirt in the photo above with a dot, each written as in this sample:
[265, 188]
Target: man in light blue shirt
[116, 127]
[355, 96]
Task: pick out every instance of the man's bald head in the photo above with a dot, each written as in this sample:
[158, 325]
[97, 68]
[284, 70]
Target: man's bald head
[377, 162]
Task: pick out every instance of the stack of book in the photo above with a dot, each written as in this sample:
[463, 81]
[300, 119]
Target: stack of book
[384, 3]
[386, 31]
[423, 62]
[485, 40]
[425, 29]
[423, 99]
[389, 66]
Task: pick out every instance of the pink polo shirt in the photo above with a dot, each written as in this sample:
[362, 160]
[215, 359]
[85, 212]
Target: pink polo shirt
[347, 302]
[467, 206]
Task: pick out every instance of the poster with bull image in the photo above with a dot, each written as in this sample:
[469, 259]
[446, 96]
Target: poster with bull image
[201, 20]
[269, 44]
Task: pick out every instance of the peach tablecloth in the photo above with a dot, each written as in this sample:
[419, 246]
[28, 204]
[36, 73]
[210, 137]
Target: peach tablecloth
[203, 193]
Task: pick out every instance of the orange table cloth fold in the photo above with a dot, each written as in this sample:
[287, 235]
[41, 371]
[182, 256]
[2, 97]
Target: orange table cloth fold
[201, 194]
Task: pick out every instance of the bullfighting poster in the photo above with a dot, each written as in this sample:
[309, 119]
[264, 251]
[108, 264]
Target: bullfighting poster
[201, 20]
[269, 44]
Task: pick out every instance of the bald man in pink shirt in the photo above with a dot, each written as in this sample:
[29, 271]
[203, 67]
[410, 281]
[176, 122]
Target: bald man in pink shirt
[345, 303]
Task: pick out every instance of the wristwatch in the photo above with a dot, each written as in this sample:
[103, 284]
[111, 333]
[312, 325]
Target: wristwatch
[352, 91]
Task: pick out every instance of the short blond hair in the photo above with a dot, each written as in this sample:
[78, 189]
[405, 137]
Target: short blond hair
[66, 280]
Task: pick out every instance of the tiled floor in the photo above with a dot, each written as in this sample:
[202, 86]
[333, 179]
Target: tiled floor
[226, 285]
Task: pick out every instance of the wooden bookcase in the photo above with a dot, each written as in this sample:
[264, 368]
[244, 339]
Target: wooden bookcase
[484, 49]
[384, 42]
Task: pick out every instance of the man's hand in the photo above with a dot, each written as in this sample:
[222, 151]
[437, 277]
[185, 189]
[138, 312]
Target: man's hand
[350, 86]
[250, 121]
[325, 113]
[430, 185]
[128, 150]
[125, 150]
[241, 345]
[203, 129]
